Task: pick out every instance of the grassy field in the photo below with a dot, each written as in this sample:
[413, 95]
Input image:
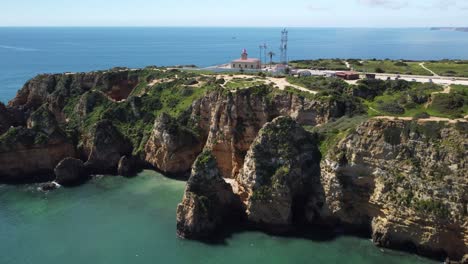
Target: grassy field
[389, 66]
[449, 68]
[320, 64]
[421, 99]
[240, 83]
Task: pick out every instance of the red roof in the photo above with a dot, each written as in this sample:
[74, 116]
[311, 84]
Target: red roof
[247, 60]
[347, 73]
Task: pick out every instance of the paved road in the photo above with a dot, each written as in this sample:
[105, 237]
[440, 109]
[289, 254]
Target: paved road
[418, 78]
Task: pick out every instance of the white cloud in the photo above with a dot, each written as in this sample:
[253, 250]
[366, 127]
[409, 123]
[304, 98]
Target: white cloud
[389, 4]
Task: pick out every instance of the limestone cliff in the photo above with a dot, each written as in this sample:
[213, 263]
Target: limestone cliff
[208, 202]
[407, 181]
[172, 148]
[280, 179]
[103, 148]
[228, 122]
[31, 155]
[54, 88]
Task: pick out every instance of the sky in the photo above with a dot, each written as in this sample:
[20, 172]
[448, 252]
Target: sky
[242, 13]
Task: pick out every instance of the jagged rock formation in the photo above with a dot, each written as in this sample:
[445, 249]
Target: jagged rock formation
[227, 123]
[31, 155]
[70, 171]
[55, 88]
[407, 181]
[281, 176]
[208, 202]
[104, 146]
[172, 148]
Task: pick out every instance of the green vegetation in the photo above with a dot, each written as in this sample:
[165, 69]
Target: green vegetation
[449, 67]
[242, 83]
[398, 98]
[22, 136]
[389, 66]
[331, 90]
[320, 64]
[205, 160]
[451, 105]
[432, 207]
[319, 83]
[135, 116]
[331, 133]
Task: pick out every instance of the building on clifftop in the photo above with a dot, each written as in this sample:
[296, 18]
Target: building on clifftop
[245, 63]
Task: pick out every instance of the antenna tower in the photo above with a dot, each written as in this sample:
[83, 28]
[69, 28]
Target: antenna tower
[284, 47]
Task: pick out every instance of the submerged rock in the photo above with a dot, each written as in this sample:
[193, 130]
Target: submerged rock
[48, 186]
[208, 203]
[70, 171]
[280, 180]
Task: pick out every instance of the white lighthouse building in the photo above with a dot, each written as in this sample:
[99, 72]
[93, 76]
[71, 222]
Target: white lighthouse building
[245, 63]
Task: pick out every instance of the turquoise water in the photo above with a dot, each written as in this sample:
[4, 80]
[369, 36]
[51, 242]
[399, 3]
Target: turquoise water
[26, 52]
[119, 220]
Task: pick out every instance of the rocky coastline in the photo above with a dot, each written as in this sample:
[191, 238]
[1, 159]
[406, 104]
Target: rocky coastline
[255, 156]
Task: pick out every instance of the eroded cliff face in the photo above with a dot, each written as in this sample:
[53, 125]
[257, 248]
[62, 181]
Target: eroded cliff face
[31, 155]
[55, 89]
[405, 180]
[103, 147]
[34, 130]
[280, 179]
[208, 202]
[172, 148]
[228, 122]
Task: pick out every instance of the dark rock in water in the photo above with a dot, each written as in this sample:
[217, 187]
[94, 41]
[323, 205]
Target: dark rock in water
[208, 203]
[48, 186]
[70, 171]
[127, 166]
[104, 147]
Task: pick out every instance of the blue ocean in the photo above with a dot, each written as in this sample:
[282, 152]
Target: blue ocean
[26, 52]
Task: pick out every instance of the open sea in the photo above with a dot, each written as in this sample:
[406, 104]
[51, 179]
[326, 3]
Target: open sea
[26, 52]
[117, 220]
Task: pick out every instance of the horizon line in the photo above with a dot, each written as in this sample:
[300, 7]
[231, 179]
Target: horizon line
[188, 26]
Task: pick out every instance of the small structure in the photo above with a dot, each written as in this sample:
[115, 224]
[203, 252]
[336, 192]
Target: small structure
[329, 73]
[348, 75]
[245, 63]
[304, 73]
[370, 76]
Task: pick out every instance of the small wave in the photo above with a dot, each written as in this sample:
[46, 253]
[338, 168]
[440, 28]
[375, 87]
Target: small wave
[17, 48]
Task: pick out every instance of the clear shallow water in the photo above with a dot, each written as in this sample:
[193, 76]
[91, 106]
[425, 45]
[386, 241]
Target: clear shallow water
[26, 52]
[118, 220]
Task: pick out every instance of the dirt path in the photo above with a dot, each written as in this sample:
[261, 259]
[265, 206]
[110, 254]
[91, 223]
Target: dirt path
[282, 83]
[347, 64]
[424, 120]
[427, 69]
[447, 89]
